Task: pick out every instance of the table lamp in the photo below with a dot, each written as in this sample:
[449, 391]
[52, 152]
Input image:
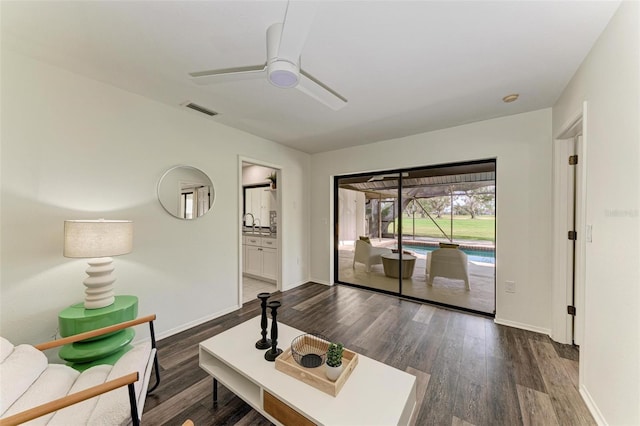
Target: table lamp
[98, 240]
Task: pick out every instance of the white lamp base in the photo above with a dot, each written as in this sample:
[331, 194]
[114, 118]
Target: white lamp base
[99, 283]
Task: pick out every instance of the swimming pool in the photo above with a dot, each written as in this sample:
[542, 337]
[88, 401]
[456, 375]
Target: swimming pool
[474, 255]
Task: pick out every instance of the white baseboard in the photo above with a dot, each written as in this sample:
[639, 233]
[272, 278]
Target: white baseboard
[194, 323]
[522, 326]
[591, 405]
[560, 339]
[292, 286]
[324, 282]
[202, 320]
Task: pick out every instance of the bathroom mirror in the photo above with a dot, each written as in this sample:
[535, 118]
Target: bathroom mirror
[185, 192]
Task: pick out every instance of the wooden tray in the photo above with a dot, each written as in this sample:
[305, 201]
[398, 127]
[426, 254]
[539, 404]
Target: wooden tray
[315, 376]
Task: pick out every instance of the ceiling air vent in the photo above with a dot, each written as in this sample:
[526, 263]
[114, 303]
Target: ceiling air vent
[199, 108]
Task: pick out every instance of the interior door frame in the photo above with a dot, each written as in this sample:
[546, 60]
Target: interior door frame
[279, 219]
[564, 274]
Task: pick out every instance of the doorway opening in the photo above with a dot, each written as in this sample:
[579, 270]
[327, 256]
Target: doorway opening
[425, 233]
[570, 232]
[260, 230]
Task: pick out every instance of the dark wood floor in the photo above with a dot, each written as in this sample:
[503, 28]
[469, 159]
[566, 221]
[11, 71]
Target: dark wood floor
[469, 370]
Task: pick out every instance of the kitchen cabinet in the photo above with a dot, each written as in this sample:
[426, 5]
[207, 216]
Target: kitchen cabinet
[260, 257]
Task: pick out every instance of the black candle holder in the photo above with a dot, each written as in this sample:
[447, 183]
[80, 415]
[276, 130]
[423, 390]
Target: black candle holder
[263, 343]
[273, 353]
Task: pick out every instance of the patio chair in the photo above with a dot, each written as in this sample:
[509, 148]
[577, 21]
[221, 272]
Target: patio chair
[368, 254]
[448, 263]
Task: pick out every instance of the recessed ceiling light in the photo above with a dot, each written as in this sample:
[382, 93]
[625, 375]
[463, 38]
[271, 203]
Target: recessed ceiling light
[510, 98]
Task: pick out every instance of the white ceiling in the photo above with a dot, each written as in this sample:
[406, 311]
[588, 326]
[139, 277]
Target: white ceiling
[405, 67]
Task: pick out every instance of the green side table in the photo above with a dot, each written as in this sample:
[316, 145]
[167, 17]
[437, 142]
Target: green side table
[105, 349]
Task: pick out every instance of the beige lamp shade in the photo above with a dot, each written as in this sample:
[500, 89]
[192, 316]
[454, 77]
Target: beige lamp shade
[97, 238]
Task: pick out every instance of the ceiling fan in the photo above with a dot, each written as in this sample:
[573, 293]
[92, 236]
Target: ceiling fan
[284, 45]
[388, 175]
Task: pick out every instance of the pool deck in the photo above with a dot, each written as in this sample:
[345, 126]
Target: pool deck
[480, 297]
[433, 242]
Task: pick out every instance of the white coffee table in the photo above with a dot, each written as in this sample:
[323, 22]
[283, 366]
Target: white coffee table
[374, 394]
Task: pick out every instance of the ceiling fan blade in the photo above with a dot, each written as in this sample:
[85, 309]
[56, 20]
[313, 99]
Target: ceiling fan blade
[320, 92]
[229, 74]
[389, 175]
[297, 24]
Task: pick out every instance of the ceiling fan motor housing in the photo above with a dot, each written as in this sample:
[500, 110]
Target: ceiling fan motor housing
[282, 72]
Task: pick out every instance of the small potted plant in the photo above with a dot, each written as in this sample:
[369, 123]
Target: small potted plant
[334, 361]
[273, 178]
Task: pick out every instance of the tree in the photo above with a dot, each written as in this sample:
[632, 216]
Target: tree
[435, 205]
[477, 201]
[381, 212]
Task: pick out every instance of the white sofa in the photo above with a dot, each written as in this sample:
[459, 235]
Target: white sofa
[34, 391]
[368, 254]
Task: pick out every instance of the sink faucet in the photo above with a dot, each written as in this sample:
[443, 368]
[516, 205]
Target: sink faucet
[253, 219]
[254, 224]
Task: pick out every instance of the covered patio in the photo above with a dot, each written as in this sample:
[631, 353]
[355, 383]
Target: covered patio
[374, 205]
[447, 291]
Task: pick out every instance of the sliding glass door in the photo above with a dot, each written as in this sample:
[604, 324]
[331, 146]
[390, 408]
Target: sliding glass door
[424, 233]
[363, 241]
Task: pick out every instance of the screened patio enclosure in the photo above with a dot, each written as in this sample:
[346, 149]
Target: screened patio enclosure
[424, 233]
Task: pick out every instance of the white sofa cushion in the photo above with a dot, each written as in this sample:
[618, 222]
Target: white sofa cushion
[18, 372]
[6, 347]
[79, 413]
[113, 407]
[54, 382]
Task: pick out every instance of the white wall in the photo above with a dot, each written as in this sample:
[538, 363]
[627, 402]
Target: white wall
[256, 175]
[352, 215]
[609, 81]
[74, 148]
[522, 145]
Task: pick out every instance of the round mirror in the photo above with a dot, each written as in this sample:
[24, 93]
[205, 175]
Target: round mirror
[185, 192]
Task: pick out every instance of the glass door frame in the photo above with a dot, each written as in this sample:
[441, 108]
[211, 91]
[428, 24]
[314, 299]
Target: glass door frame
[400, 173]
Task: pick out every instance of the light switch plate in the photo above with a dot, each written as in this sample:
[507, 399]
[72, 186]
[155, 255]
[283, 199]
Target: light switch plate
[510, 286]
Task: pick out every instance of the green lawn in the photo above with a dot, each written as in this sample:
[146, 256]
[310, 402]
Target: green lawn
[464, 228]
